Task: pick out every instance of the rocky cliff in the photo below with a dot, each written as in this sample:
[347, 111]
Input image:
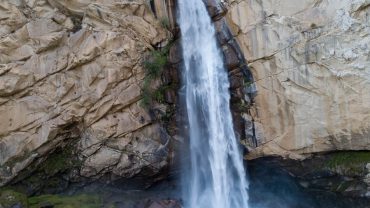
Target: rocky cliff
[311, 64]
[72, 82]
[71, 78]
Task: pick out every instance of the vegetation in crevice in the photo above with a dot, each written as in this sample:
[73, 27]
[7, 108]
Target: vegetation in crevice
[165, 23]
[48, 175]
[154, 65]
[342, 186]
[348, 163]
[248, 83]
[10, 199]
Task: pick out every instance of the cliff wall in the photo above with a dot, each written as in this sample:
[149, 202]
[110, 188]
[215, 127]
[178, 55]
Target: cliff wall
[311, 64]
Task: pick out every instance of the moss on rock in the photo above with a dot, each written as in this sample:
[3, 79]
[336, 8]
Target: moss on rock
[10, 199]
[349, 163]
[58, 201]
[51, 175]
[60, 162]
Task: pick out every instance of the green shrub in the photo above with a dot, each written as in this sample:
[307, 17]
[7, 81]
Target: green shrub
[10, 198]
[349, 163]
[154, 64]
[165, 23]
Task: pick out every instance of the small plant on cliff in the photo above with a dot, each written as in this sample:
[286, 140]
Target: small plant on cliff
[165, 23]
[154, 65]
[248, 83]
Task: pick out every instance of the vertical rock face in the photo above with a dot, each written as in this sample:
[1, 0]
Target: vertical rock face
[71, 75]
[71, 81]
[311, 64]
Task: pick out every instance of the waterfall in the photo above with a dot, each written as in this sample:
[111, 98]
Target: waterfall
[215, 177]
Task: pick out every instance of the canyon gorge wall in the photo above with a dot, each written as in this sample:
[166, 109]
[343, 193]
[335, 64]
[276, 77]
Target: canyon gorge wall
[311, 64]
[71, 79]
[71, 82]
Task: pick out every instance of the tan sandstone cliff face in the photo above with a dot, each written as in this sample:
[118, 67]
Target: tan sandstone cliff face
[71, 69]
[311, 63]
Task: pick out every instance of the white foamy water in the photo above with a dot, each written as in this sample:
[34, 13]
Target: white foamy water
[215, 177]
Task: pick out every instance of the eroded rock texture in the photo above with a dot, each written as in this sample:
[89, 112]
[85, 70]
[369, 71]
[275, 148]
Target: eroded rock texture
[310, 60]
[71, 73]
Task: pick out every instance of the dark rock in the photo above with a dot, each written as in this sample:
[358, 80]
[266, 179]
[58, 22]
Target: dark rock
[175, 54]
[237, 95]
[46, 205]
[238, 125]
[236, 79]
[249, 132]
[231, 56]
[170, 96]
[250, 87]
[223, 33]
[17, 205]
[164, 204]
[275, 187]
[215, 9]
[12, 199]
[339, 172]
[170, 75]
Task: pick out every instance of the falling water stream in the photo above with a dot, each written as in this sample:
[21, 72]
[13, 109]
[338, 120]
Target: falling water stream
[215, 177]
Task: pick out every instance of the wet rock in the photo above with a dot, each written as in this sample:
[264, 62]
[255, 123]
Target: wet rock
[175, 55]
[163, 204]
[340, 172]
[12, 199]
[170, 96]
[17, 205]
[231, 57]
[46, 205]
[222, 31]
[236, 78]
[285, 189]
[215, 9]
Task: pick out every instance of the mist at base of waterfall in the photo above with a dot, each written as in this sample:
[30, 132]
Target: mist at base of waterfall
[273, 187]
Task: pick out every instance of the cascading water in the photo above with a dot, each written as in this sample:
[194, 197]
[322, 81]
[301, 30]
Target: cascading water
[215, 177]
